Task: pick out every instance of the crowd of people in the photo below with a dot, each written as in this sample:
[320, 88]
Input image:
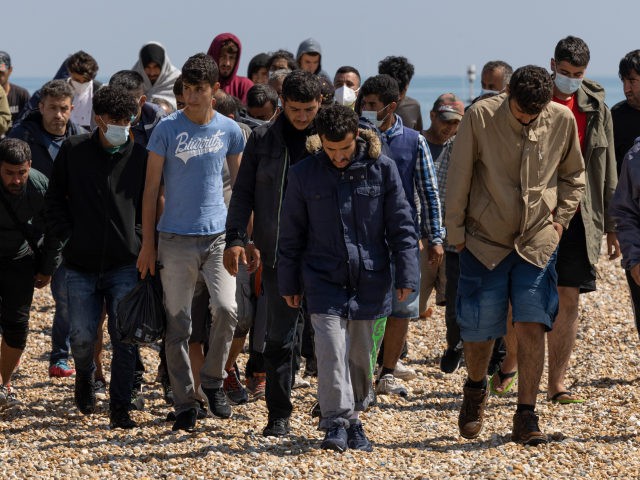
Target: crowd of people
[307, 214]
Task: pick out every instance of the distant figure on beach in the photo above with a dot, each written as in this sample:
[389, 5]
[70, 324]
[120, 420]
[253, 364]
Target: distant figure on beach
[16, 95]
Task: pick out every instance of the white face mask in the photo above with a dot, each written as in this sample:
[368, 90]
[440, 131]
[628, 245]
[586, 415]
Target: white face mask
[345, 96]
[116, 135]
[80, 87]
[567, 85]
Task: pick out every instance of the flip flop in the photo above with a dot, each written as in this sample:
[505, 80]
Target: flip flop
[494, 382]
[569, 398]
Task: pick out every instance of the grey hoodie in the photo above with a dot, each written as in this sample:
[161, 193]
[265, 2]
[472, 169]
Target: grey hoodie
[312, 46]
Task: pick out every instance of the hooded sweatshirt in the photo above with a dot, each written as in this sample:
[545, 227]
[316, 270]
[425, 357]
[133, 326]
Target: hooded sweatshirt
[163, 88]
[233, 84]
[311, 46]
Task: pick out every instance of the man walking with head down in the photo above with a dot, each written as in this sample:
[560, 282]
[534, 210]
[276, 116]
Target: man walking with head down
[519, 179]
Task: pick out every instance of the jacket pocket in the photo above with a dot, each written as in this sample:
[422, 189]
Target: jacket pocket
[375, 264]
[321, 206]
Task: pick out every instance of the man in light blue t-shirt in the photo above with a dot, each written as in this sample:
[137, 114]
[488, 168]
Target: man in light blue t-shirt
[188, 150]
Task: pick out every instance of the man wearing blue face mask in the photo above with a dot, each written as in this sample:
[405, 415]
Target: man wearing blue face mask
[579, 247]
[94, 203]
[379, 101]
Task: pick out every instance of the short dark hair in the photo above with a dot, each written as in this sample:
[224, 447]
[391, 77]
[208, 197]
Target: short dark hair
[225, 104]
[14, 151]
[301, 86]
[200, 68]
[286, 54]
[507, 70]
[177, 86]
[573, 50]
[256, 63]
[399, 68]
[83, 64]
[259, 95]
[348, 69]
[532, 88]
[385, 86]
[335, 122]
[630, 62]
[130, 80]
[56, 89]
[116, 102]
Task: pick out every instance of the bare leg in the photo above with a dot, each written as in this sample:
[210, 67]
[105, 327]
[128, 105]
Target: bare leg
[9, 358]
[562, 338]
[395, 335]
[236, 348]
[530, 360]
[98, 347]
[510, 361]
[477, 356]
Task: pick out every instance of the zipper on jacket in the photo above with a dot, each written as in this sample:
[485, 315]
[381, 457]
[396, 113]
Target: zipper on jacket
[106, 218]
[284, 174]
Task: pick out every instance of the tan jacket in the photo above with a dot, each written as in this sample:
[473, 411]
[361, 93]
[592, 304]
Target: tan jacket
[507, 183]
[5, 113]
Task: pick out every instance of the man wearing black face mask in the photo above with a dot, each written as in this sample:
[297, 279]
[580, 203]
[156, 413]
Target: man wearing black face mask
[516, 187]
[94, 202]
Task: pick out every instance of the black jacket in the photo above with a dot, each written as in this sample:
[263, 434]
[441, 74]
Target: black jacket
[95, 200]
[31, 131]
[259, 189]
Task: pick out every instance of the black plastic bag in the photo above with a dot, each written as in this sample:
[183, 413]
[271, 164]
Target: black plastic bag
[141, 317]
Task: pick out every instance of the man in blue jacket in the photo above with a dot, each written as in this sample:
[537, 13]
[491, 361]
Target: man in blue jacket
[344, 217]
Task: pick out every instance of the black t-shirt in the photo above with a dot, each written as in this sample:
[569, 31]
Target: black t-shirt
[435, 150]
[626, 128]
[296, 140]
[18, 98]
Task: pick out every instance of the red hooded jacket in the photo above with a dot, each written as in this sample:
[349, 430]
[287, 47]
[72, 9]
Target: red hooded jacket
[234, 84]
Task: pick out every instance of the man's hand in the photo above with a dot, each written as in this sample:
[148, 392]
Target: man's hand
[232, 257]
[253, 255]
[613, 246]
[635, 273]
[293, 300]
[420, 245]
[460, 247]
[146, 260]
[403, 293]
[436, 253]
[41, 280]
[559, 229]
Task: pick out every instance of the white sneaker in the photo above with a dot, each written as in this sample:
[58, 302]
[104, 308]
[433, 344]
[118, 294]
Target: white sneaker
[403, 372]
[300, 382]
[388, 385]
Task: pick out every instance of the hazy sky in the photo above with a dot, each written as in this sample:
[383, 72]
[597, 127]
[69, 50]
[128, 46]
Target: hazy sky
[439, 38]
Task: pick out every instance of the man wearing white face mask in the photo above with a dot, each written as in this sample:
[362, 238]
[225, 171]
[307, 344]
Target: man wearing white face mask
[579, 247]
[94, 202]
[347, 84]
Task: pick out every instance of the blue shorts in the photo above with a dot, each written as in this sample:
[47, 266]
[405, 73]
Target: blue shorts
[410, 308]
[484, 295]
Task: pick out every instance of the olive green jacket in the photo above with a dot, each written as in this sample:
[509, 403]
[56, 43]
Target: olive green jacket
[5, 113]
[600, 167]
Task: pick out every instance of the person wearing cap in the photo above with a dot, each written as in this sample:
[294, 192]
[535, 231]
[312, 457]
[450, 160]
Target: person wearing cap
[379, 100]
[445, 116]
[309, 57]
[5, 113]
[16, 95]
[519, 178]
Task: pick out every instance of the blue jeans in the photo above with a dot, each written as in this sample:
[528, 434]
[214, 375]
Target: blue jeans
[60, 328]
[87, 293]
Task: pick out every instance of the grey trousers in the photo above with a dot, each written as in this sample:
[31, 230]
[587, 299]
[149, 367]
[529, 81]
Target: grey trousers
[346, 353]
[183, 257]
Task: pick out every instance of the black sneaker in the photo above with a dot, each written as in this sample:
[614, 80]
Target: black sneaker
[450, 360]
[357, 439]
[185, 421]
[315, 410]
[120, 418]
[85, 395]
[218, 404]
[276, 427]
[335, 439]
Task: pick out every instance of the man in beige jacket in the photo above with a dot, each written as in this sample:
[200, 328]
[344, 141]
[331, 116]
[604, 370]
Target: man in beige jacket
[516, 178]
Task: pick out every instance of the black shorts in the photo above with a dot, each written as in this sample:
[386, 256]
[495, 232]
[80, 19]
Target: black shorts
[573, 266]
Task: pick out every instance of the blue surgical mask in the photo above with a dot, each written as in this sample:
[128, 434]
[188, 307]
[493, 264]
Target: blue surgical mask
[372, 116]
[116, 135]
[567, 85]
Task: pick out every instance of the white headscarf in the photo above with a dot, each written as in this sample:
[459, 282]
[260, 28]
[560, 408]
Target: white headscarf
[163, 88]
